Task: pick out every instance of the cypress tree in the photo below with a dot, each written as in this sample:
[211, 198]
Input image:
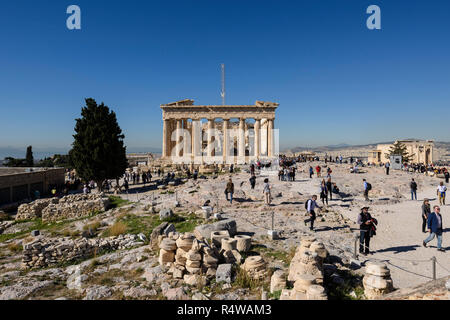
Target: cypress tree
[29, 160]
[98, 152]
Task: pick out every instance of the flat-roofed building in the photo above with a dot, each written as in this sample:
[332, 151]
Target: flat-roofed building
[421, 151]
[17, 184]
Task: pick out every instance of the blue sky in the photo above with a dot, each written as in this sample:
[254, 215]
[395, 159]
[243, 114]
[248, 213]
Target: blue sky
[336, 81]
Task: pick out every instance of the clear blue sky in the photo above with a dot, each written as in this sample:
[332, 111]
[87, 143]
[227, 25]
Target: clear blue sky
[336, 81]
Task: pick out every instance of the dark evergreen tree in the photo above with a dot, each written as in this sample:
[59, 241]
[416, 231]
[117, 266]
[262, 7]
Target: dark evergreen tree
[98, 151]
[399, 149]
[29, 160]
[13, 162]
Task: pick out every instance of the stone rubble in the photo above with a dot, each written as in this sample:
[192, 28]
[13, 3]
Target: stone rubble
[188, 254]
[306, 272]
[43, 252]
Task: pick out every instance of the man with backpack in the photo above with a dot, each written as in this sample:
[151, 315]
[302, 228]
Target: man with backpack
[310, 205]
[413, 186]
[367, 188]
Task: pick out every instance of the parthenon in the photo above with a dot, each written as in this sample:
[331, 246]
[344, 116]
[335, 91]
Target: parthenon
[219, 140]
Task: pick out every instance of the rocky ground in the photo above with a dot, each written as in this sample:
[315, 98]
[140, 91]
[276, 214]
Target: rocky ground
[134, 272]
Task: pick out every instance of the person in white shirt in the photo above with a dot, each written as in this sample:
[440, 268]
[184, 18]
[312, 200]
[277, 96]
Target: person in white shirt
[441, 193]
[311, 205]
[266, 192]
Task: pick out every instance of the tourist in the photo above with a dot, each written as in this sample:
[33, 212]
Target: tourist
[195, 175]
[311, 172]
[340, 159]
[311, 204]
[229, 190]
[435, 228]
[231, 168]
[387, 166]
[252, 181]
[425, 213]
[188, 173]
[329, 171]
[413, 187]
[323, 192]
[85, 189]
[329, 188]
[335, 188]
[367, 188]
[125, 185]
[446, 175]
[252, 169]
[266, 192]
[366, 225]
[441, 193]
[293, 173]
[318, 171]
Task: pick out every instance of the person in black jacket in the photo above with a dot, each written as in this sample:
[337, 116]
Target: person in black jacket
[252, 181]
[366, 223]
[413, 187]
[425, 212]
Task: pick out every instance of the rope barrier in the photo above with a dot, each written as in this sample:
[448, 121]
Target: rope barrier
[402, 259]
[442, 266]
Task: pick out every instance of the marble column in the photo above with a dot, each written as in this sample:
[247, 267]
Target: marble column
[186, 139]
[171, 152]
[263, 136]
[178, 139]
[257, 138]
[196, 140]
[225, 140]
[270, 138]
[165, 146]
[210, 137]
[241, 150]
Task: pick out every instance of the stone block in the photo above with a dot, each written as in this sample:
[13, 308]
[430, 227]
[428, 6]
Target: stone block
[165, 214]
[228, 243]
[243, 243]
[223, 273]
[170, 228]
[217, 236]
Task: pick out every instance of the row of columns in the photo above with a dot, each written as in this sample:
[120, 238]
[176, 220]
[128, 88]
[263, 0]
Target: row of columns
[181, 142]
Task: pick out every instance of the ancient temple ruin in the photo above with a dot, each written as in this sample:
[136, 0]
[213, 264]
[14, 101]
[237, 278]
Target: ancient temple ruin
[219, 140]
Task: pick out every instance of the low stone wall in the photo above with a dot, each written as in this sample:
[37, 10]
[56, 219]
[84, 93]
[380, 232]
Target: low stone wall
[68, 207]
[33, 209]
[44, 252]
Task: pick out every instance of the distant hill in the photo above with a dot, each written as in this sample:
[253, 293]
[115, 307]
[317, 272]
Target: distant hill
[41, 153]
[344, 146]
